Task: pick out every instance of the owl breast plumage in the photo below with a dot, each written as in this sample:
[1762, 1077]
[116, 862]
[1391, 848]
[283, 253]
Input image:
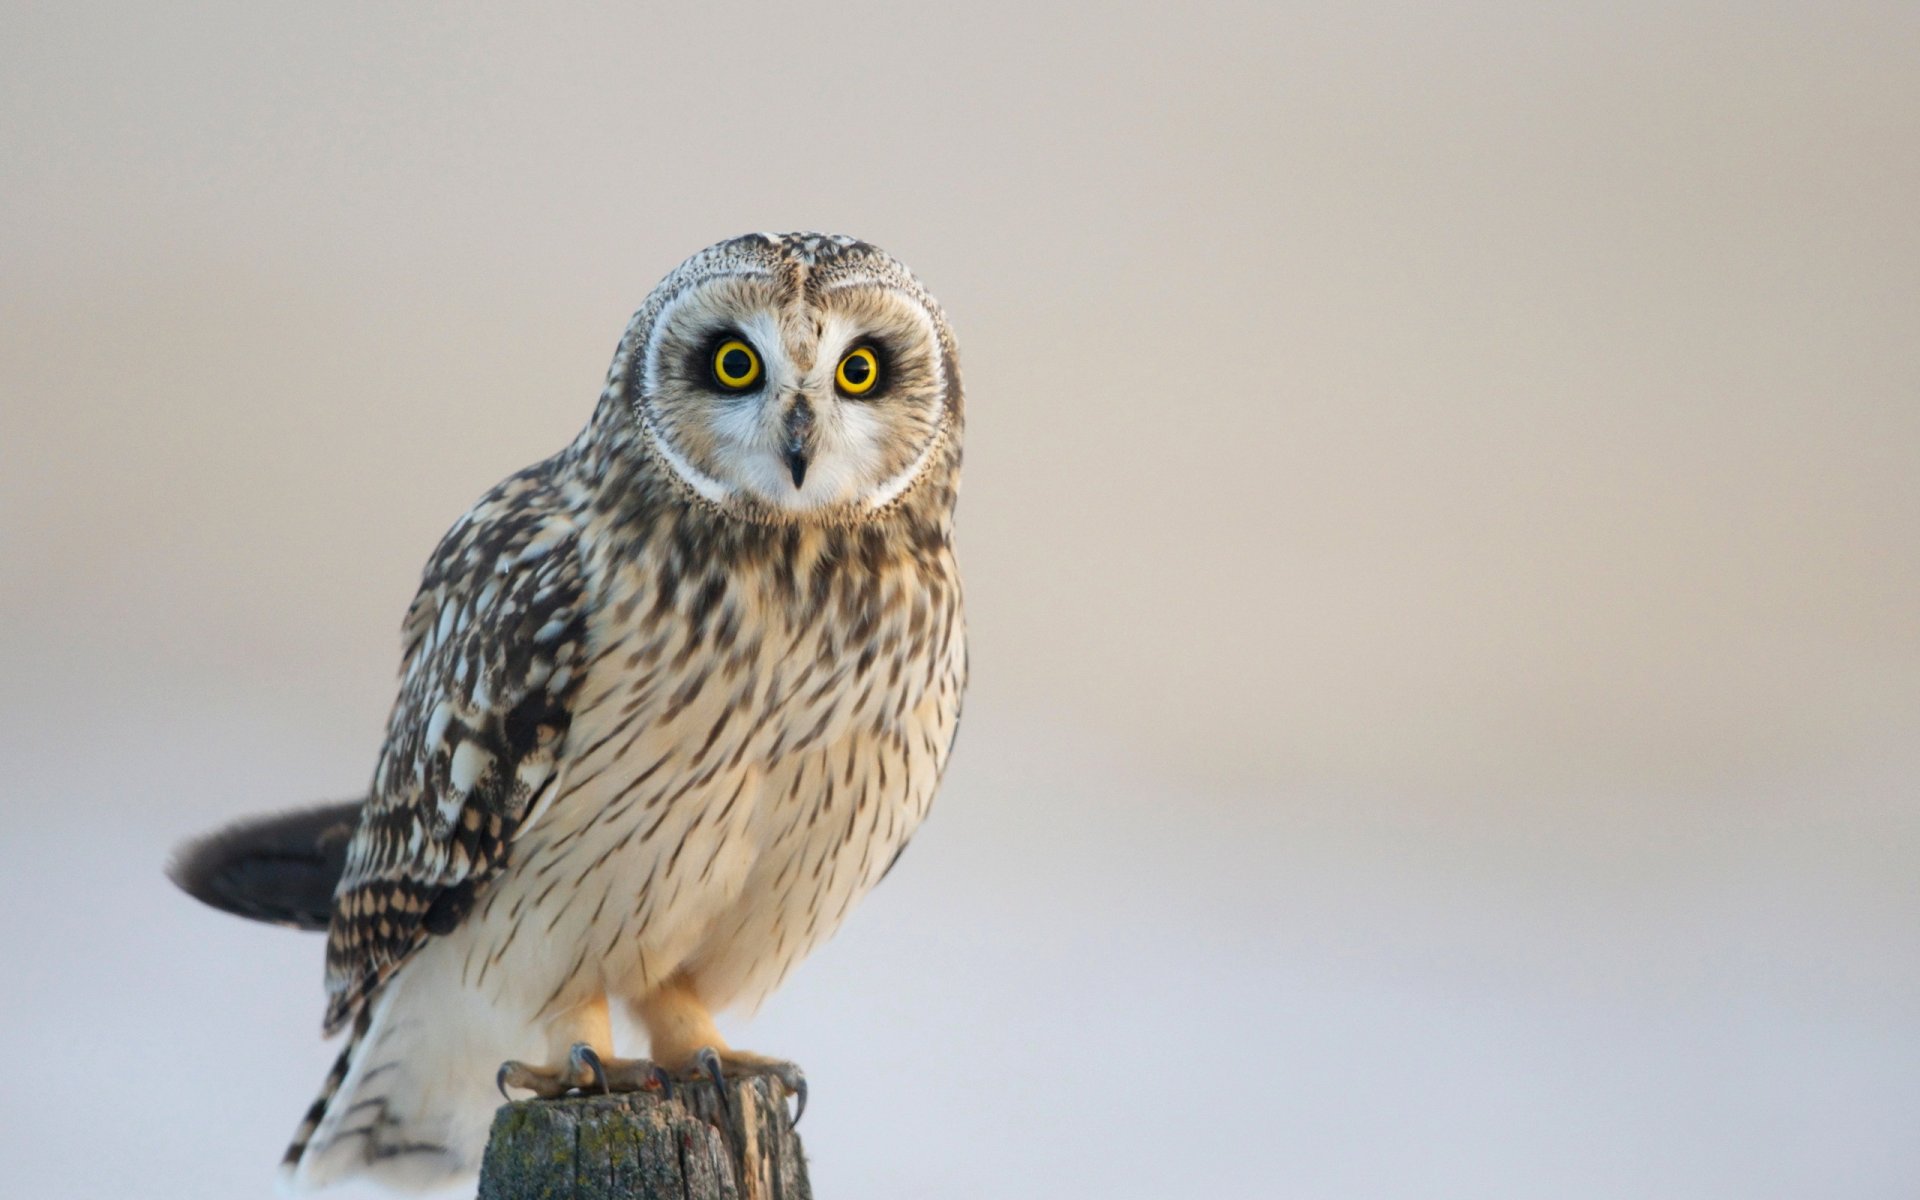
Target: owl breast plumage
[749, 762]
[671, 701]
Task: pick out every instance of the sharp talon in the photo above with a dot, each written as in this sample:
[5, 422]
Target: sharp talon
[500, 1080]
[799, 1089]
[710, 1063]
[585, 1058]
[661, 1077]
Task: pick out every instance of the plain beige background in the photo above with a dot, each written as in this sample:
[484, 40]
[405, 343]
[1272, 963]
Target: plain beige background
[1442, 533]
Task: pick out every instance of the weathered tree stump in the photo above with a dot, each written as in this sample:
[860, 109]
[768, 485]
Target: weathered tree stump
[643, 1147]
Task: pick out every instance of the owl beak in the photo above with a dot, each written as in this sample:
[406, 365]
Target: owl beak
[799, 438]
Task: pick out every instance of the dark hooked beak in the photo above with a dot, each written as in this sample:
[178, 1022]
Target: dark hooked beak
[799, 431]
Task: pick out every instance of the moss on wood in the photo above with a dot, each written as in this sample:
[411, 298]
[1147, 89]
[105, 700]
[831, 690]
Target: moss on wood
[641, 1147]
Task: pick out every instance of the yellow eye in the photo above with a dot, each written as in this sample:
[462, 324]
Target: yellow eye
[858, 372]
[735, 365]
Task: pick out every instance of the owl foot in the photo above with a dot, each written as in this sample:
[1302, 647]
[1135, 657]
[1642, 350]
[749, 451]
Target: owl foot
[585, 1071]
[580, 1072]
[717, 1064]
[634, 1075]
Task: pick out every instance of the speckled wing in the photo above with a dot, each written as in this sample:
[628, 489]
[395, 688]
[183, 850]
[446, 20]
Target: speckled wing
[492, 659]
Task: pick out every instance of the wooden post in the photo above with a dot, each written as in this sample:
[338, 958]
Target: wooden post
[642, 1147]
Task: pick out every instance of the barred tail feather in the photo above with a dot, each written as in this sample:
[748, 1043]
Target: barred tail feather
[310, 1124]
[411, 1099]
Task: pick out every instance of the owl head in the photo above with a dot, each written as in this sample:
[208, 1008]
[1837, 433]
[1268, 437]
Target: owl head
[791, 377]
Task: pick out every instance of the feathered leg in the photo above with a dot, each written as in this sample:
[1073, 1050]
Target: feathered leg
[587, 1067]
[683, 1039]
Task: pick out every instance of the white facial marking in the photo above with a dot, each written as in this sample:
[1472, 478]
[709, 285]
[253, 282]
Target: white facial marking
[896, 487]
[858, 279]
[709, 488]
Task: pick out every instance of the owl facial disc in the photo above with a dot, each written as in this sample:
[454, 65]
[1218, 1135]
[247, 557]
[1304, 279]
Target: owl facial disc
[792, 378]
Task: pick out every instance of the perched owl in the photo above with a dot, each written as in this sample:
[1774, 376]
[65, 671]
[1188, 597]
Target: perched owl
[670, 702]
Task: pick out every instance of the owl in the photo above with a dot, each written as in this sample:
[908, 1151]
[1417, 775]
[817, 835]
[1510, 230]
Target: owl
[670, 703]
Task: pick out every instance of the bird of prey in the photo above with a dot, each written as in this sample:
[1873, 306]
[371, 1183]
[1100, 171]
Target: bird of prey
[670, 702]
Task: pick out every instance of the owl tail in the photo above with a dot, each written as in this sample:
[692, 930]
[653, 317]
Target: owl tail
[317, 1114]
[280, 868]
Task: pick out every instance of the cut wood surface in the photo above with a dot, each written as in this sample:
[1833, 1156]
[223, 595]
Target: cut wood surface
[644, 1147]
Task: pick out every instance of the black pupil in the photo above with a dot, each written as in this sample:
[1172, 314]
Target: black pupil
[735, 364]
[857, 369]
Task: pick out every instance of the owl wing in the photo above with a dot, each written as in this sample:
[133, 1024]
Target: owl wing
[494, 645]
